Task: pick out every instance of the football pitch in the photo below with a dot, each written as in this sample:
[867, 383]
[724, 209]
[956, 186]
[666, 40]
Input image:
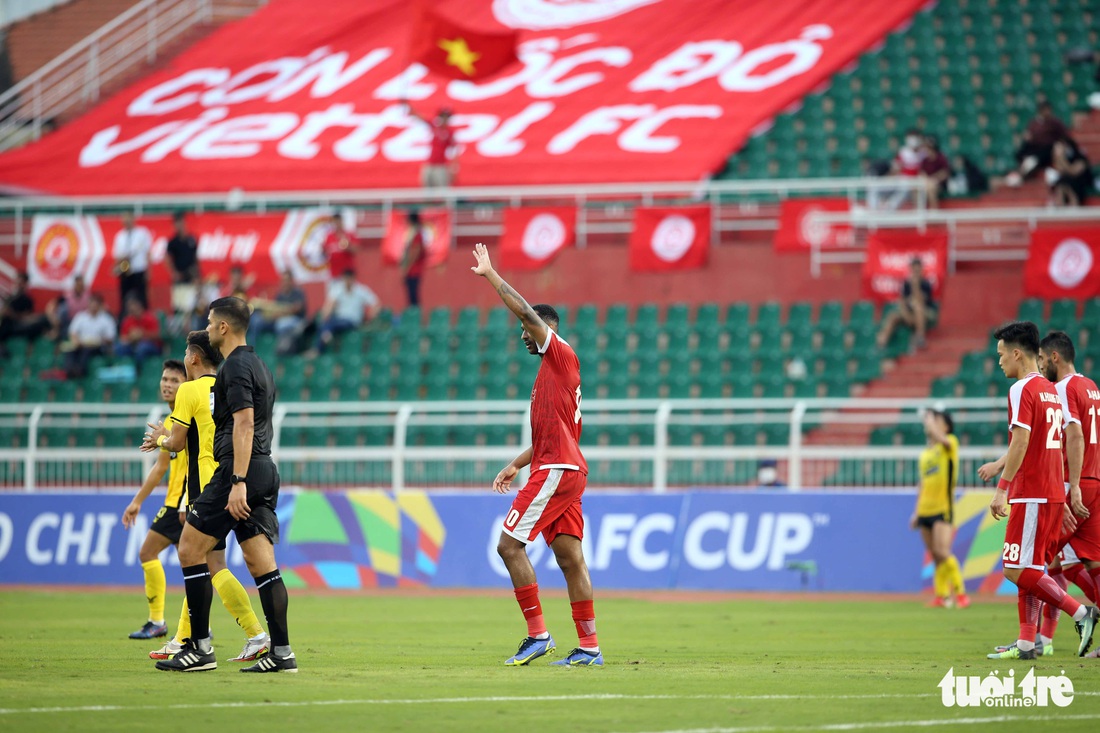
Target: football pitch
[432, 661]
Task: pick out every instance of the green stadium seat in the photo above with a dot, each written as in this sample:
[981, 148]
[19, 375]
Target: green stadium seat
[1063, 316]
[943, 387]
[1031, 309]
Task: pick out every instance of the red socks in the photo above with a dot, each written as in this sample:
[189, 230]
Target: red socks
[1043, 586]
[528, 599]
[584, 618]
[1083, 578]
[1028, 606]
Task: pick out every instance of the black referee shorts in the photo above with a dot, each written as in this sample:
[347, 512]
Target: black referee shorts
[167, 523]
[209, 515]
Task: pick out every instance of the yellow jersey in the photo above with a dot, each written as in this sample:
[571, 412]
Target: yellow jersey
[939, 472]
[193, 411]
[177, 472]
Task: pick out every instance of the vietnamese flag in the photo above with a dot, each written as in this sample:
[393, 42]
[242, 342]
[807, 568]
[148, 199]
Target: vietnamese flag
[459, 52]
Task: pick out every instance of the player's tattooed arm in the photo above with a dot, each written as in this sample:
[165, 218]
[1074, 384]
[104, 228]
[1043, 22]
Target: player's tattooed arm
[515, 302]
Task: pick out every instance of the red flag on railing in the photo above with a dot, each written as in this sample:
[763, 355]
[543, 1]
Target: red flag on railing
[889, 254]
[533, 237]
[457, 51]
[670, 238]
[799, 230]
[1063, 262]
[437, 236]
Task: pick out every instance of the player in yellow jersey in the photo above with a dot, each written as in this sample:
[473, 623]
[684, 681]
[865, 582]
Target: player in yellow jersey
[934, 514]
[166, 527]
[192, 426]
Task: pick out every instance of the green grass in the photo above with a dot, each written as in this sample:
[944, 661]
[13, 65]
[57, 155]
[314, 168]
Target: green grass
[751, 663]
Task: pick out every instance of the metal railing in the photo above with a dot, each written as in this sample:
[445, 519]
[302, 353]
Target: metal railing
[76, 77]
[987, 248]
[398, 445]
[602, 208]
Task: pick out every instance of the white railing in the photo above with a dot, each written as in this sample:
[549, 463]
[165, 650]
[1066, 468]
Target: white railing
[388, 449]
[76, 78]
[602, 208]
[986, 248]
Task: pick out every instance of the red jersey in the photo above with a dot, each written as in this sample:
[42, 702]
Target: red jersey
[147, 322]
[339, 247]
[1033, 404]
[1081, 404]
[443, 137]
[556, 409]
[416, 267]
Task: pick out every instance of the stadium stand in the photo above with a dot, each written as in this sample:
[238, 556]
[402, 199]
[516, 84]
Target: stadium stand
[967, 71]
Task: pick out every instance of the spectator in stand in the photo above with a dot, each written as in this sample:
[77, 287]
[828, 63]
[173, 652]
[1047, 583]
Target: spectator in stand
[916, 308]
[91, 333]
[340, 246]
[439, 170]
[1036, 151]
[61, 311]
[131, 254]
[1069, 175]
[911, 154]
[183, 263]
[345, 304]
[285, 316]
[416, 258]
[767, 474]
[139, 336]
[17, 316]
[239, 284]
[936, 171]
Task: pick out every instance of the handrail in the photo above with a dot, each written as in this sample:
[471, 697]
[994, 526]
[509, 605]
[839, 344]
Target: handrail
[77, 76]
[660, 414]
[237, 200]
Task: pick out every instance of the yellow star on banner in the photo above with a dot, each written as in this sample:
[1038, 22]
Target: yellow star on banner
[459, 55]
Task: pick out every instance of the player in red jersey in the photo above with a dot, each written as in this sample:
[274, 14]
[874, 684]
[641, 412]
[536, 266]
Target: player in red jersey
[550, 503]
[1080, 542]
[1031, 479]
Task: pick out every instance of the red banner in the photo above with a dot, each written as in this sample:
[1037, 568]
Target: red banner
[670, 238]
[303, 95]
[263, 245]
[799, 230]
[533, 237]
[889, 253]
[1063, 263]
[437, 236]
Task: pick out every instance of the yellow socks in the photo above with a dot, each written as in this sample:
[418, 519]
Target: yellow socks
[155, 588]
[183, 630]
[939, 581]
[236, 601]
[953, 575]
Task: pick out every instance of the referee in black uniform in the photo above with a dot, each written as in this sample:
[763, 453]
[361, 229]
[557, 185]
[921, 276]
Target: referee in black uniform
[241, 496]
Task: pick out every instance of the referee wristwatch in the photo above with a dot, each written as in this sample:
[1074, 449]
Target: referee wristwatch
[235, 479]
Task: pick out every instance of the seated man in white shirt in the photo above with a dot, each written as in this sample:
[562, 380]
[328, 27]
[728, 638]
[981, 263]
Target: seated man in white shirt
[345, 304]
[91, 332]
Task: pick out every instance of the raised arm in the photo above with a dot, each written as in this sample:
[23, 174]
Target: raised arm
[534, 325]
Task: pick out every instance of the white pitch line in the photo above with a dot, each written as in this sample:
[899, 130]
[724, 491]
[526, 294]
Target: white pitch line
[885, 724]
[492, 699]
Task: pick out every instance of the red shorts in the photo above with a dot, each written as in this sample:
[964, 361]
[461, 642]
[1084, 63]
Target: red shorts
[1031, 537]
[550, 504]
[1084, 543]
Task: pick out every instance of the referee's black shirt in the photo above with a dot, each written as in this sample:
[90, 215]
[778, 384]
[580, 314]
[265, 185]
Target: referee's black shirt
[243, 381]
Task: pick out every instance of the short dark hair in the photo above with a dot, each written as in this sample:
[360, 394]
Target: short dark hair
[947, 420]
[233, 311]
[1061, 342]
[199, 341]
[179, 215]
[548, 315]
[175, 365]
[413, 217]
[1021, 334]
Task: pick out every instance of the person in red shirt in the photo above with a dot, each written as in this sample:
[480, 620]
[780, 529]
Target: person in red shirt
[416, 258]
[439, 170]
[936, 170]
[1037, 146]
[340, 246]
[139, 335]
[550, 503]
[1031, 484]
